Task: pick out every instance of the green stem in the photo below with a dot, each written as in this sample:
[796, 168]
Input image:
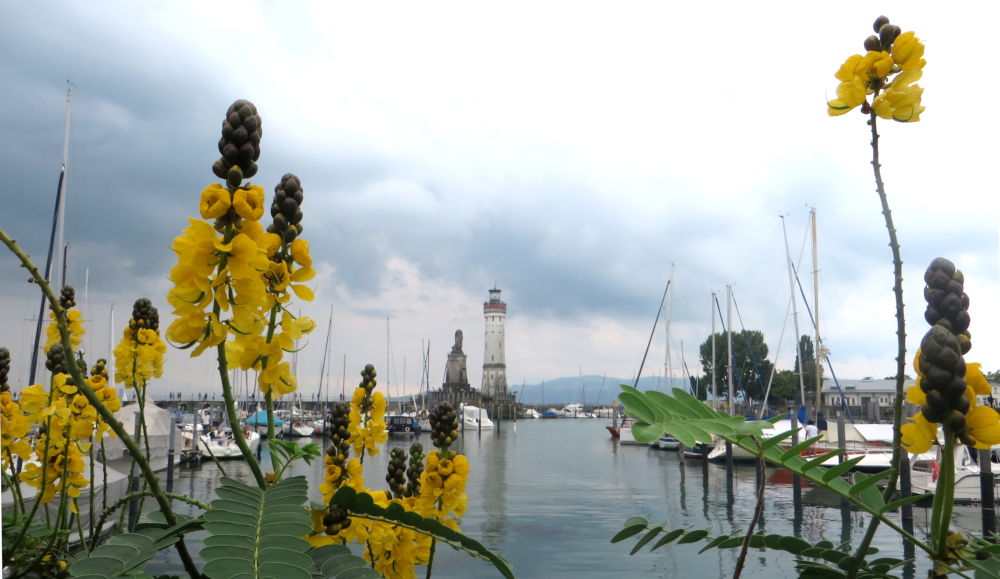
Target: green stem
[131, 496]
[757, 514]
[430, 558]
[227, 389]
[269, 396]
[96, 402]
[43, 465]
[13, 482]
[897, 288]
[234, 421]
[944, 492]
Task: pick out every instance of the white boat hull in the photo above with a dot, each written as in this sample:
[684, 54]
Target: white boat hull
[475, 418]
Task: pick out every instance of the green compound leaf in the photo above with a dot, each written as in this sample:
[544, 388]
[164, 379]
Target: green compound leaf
[633, 526]
[361, 505]
[256, 533]
[337, 562]
[683, 416]
[125, 555]
[646, 538]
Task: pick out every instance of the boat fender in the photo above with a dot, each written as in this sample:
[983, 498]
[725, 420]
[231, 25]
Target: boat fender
[406, 429]
[935, 471]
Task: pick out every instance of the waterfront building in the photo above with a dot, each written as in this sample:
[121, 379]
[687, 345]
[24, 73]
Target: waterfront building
[872, 400]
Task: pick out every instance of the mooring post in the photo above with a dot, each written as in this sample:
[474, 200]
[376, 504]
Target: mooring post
[987, 489]
[796, 479]
[170, 455]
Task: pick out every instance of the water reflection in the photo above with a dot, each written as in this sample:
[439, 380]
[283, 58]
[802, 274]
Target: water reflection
[493, 450]
[550, 494]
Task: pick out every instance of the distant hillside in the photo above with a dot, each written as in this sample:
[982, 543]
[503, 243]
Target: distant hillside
[586, 389]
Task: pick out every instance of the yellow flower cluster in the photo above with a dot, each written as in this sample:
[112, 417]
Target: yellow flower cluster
[139, 357]
[982, 423]
[232, 278]
[76, 330]
[368, 429]
[14, 429]
[393, 551]
[891, 74]
[70, 422]
[442, 488]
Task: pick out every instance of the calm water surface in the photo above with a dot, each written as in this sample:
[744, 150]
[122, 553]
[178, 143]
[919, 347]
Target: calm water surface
[548, 495]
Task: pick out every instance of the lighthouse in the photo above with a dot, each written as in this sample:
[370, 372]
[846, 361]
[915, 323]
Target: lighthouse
[494, 364]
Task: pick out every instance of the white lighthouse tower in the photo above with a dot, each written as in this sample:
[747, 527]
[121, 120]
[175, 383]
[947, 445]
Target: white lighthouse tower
[494, 364]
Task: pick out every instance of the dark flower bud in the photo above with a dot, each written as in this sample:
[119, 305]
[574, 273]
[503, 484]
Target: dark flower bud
[872, 43]
[880, 22]
[220, 169]
[235, 176]
[4, 369]
[956, 421]
[887, 34]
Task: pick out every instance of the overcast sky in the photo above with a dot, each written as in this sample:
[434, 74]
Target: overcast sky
[568, 153]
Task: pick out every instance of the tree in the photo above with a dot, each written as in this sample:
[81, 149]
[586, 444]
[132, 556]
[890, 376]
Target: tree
[751, 368]
[785, 386]
[808, 364]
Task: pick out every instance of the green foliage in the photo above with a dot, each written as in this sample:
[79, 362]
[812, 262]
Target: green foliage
[751, 367]
[682, 415]
[361, 505]
[289, 451]
[125, 555]
[812, 560]
[255, 533]
[691, 421]
[337, 562]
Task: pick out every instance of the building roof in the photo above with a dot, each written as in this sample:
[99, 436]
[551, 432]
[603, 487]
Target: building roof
[864, 385]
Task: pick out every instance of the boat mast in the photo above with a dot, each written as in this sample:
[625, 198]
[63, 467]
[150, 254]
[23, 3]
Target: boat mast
[729, 346]
[715, 387]
[322, 365]
[817, 347]
[55, 237]
[666, 366]
[795, 312]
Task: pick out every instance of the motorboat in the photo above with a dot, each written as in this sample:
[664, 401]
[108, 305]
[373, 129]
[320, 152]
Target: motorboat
[925, 471]
[475, 418]
[529, 413]
[574, 410]
[220, 443]
[402, 424]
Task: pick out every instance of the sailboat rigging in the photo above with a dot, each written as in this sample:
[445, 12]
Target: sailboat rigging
[52, 260]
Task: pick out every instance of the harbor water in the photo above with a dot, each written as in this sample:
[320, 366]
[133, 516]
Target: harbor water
[548, 495]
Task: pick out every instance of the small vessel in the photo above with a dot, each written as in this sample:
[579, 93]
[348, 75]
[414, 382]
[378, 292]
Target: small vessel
[574, 410]
[925, 470]
[402, 424]
[221, 444]
[667, 442]
[259, 421]
[529, 413]
[158, 422]
[299, 428]
[475, 418]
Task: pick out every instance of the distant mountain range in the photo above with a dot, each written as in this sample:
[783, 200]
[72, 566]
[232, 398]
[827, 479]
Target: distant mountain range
[590, 390]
